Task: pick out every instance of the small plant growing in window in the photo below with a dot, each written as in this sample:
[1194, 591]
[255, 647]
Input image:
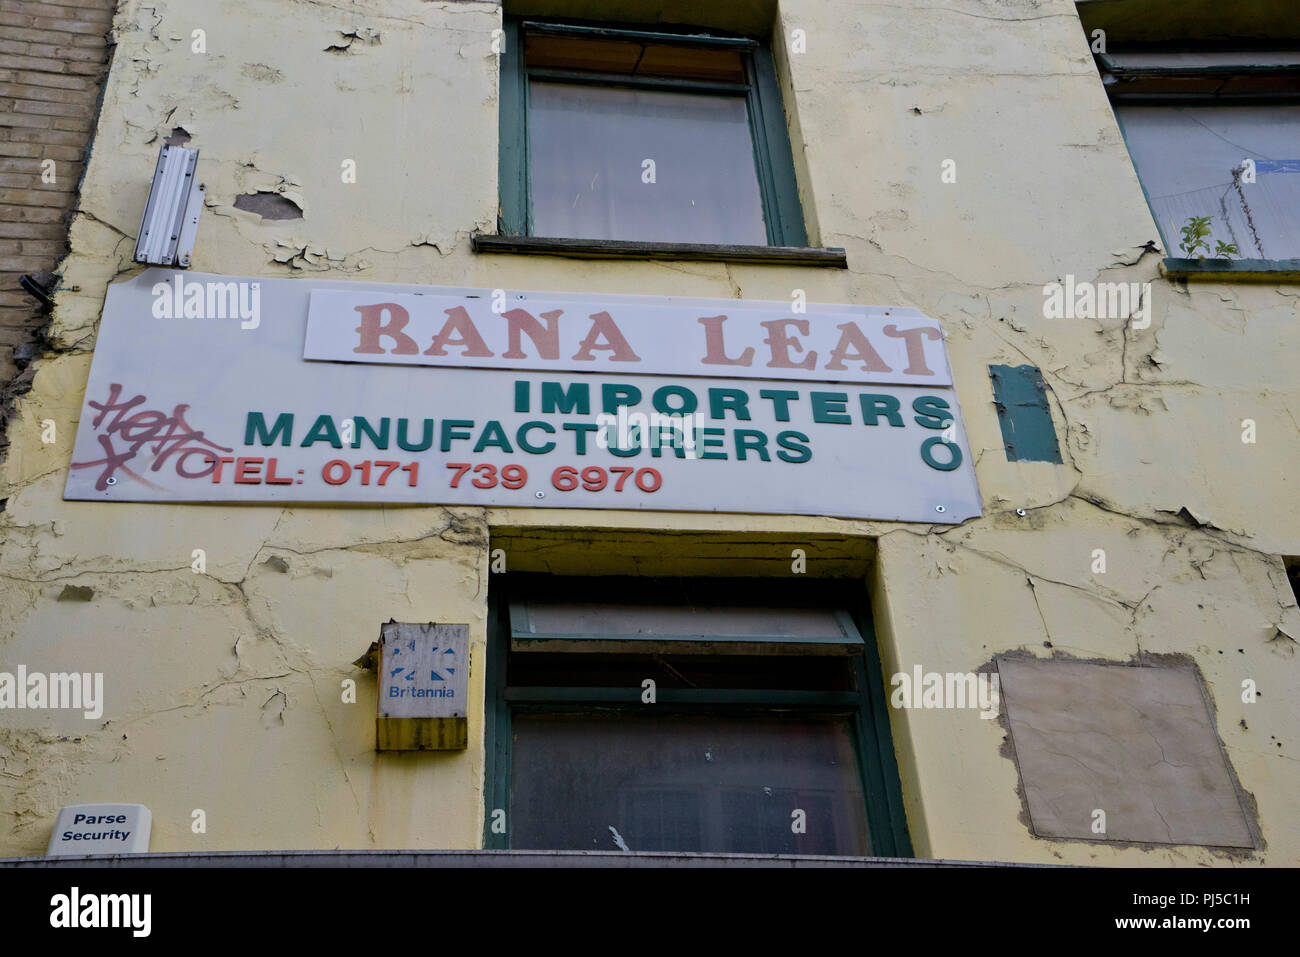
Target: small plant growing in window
[1196, 237]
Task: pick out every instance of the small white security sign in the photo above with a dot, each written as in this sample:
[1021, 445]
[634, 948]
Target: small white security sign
[101, 829]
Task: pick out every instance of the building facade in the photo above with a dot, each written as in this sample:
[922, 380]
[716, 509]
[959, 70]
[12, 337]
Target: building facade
[52, 67]
[1063, 631]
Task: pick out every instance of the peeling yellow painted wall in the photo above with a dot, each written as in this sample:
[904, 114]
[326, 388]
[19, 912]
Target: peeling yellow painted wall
[223, 689]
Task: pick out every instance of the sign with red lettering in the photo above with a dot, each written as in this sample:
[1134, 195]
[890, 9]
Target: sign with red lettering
[501, 329]
[222, 388]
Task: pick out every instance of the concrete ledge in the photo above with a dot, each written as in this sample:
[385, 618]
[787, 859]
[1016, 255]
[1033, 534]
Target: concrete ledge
[1233, 270]
[832, 257]
[469, 859]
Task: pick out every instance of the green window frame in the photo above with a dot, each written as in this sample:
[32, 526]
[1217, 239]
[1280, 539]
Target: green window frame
[774, 161]
[865, 704]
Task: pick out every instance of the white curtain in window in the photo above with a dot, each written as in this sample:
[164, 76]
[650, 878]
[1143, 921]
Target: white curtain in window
[1185, 157]
[650, 165]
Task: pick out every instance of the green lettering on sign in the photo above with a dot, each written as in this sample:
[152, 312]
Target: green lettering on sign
[255, 428]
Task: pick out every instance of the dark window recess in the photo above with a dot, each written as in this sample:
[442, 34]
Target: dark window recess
[768, 732]
[1024, 415]
[698, 782]
[799, 673]
[1293, 575]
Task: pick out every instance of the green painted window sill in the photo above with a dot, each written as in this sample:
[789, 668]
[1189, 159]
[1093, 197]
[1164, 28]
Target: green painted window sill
[1233, 270]
[831, 257]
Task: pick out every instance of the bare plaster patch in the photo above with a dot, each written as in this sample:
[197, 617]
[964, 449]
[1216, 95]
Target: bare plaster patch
[1135, 743]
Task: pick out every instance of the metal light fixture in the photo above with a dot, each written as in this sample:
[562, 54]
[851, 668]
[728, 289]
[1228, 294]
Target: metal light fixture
[171, 215]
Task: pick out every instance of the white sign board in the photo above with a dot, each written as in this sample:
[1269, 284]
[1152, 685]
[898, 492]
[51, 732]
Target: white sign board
[493, 329]
[101, 829]
[424, 670]
[204, 388]
[423, 684]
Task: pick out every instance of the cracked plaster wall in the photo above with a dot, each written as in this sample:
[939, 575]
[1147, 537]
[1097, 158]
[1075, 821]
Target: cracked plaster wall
[226, 685]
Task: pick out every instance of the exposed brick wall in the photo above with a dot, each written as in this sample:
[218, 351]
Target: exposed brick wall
[53, 60]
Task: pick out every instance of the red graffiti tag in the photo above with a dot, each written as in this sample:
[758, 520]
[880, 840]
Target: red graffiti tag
[127, 432]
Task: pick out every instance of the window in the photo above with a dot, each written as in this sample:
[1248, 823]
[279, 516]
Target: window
[643, 136]
[1190, 159]
[1215, 136]
[767, 732]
